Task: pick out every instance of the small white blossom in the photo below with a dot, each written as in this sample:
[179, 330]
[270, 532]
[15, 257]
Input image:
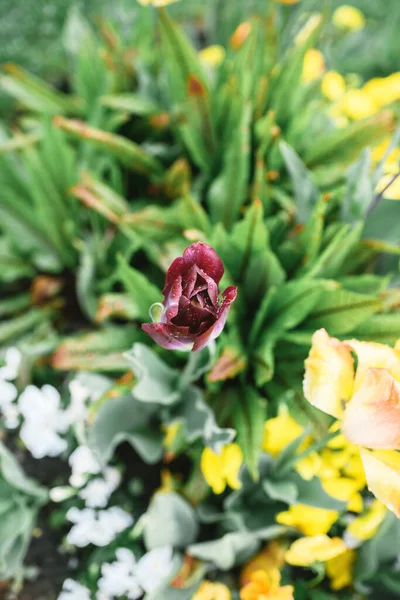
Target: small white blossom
[79, 396]
[13, 361]
[43, 421]
[83, 463]
[154, 568]
[118, 578]
[8, 408]
[98, 491]
[98, 528]
[72, 590]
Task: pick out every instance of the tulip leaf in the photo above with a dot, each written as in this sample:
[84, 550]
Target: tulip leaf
[359, 191]
[229, 190]
[139, 288]
[340, 311]
[169, 521]
[249, 417]
[13, 474]
[306, 194]
[283, 491]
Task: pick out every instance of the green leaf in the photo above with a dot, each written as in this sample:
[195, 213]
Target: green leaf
[169, 521]
[131, 103]
[125, 419]
[14, 475]
[156, 383]
[384, 329]
[359, 190]
[199, 421]
[382, 222]
[306, 194]
[143, 293]
[340, 311]
[228, 192]
[249, 418]
[229, 551]
[282, 491]
[313, 494]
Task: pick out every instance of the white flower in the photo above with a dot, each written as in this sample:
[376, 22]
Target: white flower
[154, 568]
[72, 590]
[43, 421]
[13, 361]
[98, 528]
[79, 395]
[82, 462]
[9, 410]
[118, 578]
[98, 491]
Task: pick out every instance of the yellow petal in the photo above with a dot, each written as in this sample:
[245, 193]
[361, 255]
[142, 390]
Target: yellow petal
[210, 590]
[309, 466]
[240, 35]
[212, 56]
[382, 469]
[365, 526]
[357, 104]
[346, 490]
[279, 432]
[370, 354]
[333, 85]
[372, 417]
[308, 519]
[313, 66]
[348, 17]
[384, 90]
[340, 569]
[222, 469]
[233, 460]
[211, 465]
[308, 550]
[328, 379]
[265, 586]
[270, 557]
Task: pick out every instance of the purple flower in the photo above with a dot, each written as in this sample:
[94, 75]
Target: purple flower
[193, 313]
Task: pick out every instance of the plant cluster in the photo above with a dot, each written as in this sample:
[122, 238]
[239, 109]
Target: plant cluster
[159, 172]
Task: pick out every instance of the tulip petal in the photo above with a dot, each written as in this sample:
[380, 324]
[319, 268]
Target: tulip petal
[170, 337]
[198, 254]
[370, 354]
[329, 375]
[229, 296]
[372, 417]
[382, 469]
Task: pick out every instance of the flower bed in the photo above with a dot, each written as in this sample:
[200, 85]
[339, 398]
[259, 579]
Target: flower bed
[200, 366]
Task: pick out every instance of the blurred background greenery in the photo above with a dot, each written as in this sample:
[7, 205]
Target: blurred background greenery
[33, 32]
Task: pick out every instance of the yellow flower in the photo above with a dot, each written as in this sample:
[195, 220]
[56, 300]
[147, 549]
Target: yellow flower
[308, 519]
[279, 432]
[313, 65]
[365, 526]
[157, 3]
[328, 379]
[346, 490]
[358, 104]
[382, 469]
[383, 90]
[270, 557]
[333, 85]
[220, 470]
[309, 466]
[379, 356]
[212, 591]
[287, 1]
[319, 548]
[212, 56]
[266, 586]
[340, 569]
[348, 17]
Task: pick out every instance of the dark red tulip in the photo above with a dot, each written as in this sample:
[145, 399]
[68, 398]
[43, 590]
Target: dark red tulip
[193, 313]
